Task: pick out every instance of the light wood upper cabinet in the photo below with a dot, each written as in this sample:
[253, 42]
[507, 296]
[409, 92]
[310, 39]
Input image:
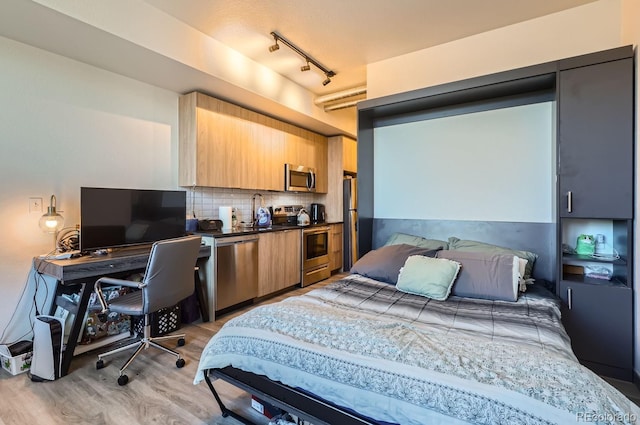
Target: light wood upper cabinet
[336, 170]
[225, 145]
[279, 256]
[321, 159]
[349, 155]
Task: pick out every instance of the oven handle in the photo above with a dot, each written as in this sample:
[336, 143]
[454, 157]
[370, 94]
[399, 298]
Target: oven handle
[316, 230]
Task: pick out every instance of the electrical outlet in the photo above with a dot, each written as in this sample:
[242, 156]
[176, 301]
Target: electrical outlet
[35, 205]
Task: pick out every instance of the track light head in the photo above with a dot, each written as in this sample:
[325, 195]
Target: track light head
[327, 81]
[274, 46]
[306, 67]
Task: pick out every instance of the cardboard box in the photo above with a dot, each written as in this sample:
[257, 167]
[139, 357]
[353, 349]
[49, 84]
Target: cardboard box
[572, 269]
[17, 364]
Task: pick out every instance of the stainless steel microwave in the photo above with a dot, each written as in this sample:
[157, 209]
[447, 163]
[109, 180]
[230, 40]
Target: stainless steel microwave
[298, 178]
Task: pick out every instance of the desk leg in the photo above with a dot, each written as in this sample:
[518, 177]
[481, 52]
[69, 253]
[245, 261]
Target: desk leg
[202, 298]
[76, 328]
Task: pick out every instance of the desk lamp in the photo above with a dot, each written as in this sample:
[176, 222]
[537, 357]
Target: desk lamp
[51, 222]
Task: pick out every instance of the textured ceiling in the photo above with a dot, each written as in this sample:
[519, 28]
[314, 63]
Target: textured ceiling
[346, 35]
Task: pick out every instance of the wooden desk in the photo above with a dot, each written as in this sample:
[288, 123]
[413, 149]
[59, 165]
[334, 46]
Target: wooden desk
[78, 275]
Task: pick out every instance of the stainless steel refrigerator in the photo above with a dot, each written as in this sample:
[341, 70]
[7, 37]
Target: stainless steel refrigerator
[350, 218]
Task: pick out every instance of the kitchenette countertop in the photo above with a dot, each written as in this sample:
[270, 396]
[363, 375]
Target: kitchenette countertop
[240, 231]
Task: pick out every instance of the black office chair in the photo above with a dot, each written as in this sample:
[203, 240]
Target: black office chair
[168, 279]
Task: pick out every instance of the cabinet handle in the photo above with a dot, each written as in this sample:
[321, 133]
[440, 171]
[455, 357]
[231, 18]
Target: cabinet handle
[569, 202]
[569, 297]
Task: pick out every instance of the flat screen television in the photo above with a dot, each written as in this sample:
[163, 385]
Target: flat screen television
[111, 218]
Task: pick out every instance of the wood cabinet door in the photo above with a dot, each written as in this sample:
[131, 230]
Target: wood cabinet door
[297, 148]
[220, 147]
[265, 155]
[291, 259]
[321, 164]
[599, 320]
[595, 140]
[279, 257]
[335, 247]
[349, 155]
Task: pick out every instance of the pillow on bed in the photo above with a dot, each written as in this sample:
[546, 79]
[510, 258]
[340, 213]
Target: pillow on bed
[456, 244]
[522, 271]
[384, 263]
[400, 238]
[485, 275]
[428, 277]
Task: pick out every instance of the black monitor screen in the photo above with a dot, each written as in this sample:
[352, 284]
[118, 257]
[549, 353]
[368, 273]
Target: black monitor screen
[120, 217]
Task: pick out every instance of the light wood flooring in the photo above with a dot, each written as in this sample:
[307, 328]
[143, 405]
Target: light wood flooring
[157, 393]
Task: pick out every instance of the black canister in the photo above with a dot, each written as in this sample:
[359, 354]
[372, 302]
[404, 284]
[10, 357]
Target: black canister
[317, 213]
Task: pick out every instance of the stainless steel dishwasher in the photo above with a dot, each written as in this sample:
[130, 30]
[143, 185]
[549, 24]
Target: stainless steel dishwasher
[236, 265]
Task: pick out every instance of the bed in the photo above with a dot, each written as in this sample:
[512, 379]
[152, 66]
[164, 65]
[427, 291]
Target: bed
[364, 350]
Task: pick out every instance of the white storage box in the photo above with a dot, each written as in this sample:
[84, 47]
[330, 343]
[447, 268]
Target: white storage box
[17, 364]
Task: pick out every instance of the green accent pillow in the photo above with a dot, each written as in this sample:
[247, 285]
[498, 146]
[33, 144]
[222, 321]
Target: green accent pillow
[403, 238]
[456, 244]
[428, 277]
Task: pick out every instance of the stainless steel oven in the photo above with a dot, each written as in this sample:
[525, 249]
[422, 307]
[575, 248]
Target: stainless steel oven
[315, 254]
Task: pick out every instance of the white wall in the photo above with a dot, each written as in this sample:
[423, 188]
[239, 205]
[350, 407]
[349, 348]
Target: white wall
[593, 27]
[461, 167]
[64, 124]
[166, 52]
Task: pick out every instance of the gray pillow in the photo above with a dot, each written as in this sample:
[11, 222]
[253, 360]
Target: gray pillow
[486, 275]
[468, 245]
[384, 263]
[400, 238]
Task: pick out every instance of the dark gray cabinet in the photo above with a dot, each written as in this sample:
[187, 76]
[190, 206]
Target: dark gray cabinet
[595, 134]
[599, 321]
[595, 190]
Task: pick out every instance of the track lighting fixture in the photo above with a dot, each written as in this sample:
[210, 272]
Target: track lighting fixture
[310, 61]
[274, 47]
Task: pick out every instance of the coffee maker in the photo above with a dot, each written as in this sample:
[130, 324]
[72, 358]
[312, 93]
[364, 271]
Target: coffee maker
[317, 213]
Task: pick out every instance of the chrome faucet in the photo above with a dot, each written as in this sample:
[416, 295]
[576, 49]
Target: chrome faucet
[254, 219]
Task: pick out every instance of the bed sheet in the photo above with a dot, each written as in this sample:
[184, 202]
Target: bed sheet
[403, 358]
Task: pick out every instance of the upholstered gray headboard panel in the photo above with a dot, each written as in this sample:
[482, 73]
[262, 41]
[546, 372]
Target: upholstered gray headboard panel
[535, 237]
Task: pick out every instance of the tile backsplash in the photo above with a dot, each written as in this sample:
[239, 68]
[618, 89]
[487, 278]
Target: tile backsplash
[204, 202]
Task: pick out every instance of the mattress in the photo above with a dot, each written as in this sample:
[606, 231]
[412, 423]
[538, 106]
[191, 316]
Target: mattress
[406, 359]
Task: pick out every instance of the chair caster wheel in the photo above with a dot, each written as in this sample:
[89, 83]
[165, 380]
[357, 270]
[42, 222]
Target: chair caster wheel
[100, 364]
[180, 363]
[180, 342]
[122, 380]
